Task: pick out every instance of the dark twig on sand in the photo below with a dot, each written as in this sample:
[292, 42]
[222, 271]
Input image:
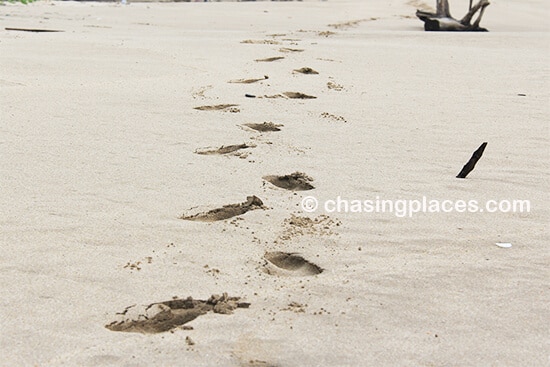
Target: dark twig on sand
[36, 30]
[468, 167]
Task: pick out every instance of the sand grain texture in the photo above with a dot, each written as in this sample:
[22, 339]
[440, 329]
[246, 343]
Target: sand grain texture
[98, 133]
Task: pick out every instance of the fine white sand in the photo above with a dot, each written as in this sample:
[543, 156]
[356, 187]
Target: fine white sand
[98, 134]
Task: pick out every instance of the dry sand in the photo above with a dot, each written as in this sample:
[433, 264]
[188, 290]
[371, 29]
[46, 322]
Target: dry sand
[98, 140]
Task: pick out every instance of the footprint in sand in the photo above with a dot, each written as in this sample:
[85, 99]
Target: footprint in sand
[297, 226]
[326, 33]
[288, 50]
[289, 95]
[164, 316]
[306, 70]
[264, 127]
[295, 307]
[224, 149]
[248, 81]
[270, 59]
[257, 363]
[219, 107]
[333, 117]
[289, 264]
[335, 86]
[349, 24]
[296, 181]
[261, 42]
[199, 93]
[298, 95]
[227, 211]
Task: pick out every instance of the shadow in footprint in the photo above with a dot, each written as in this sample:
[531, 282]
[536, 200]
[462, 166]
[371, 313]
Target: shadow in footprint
[287, 50]
[218, 107]
[298, 95]
[285, 263]
[224, 149]
[306, 70]
[227, 211]
[270, 59]
[296, 181]
[164, 316]
[290, 95]
[264, 127]
[248, 81]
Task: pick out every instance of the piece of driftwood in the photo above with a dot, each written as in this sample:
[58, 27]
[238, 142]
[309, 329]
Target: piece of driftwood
[37, 30]
[442, 20]
[468, 167]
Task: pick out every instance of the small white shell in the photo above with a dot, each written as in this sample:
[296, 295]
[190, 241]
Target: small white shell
[504, 244]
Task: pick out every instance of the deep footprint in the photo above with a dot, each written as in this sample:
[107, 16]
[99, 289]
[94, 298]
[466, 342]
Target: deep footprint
[248, 81]
[292, 263]
[224, 149]
[164, 316]
[218, 107]
[306, 70]
[270, 59]
[264, 127]
[227, 211]
[298, 95]
[287, 50]
[290, 95]
[296, 181]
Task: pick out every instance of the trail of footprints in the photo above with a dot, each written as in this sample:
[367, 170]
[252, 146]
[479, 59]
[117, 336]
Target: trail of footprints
[166, 316]
[275, 262]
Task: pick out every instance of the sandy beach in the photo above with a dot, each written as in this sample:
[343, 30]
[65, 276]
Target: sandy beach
[153, 152]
